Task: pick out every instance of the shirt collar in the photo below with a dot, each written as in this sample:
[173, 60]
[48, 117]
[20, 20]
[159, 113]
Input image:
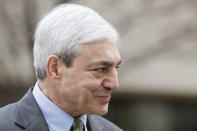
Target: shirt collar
[56, 118]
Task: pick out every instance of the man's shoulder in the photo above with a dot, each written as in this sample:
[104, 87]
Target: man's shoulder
[7, 117]
[101, 121]
[7, 111]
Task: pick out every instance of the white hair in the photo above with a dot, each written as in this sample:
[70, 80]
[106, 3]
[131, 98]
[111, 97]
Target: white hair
[63, 29]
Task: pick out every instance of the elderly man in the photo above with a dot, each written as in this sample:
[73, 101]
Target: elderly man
[76, 60]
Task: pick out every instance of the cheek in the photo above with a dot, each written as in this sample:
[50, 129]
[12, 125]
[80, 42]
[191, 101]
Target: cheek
[91, 85]
[89, 81]
[89, 89]
[81, 85]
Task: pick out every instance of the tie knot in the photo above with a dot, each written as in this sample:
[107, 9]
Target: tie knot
[77, 125]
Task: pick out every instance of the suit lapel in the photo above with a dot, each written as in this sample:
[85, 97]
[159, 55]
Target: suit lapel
[28, 115]
[93, 124]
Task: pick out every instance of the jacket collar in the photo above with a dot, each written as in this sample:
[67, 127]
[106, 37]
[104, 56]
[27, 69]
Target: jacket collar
[93, 124]
[28, 114]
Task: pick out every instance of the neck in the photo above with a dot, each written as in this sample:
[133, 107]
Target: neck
[49, 90]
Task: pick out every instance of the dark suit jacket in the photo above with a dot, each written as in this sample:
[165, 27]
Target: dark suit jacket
[25, 115]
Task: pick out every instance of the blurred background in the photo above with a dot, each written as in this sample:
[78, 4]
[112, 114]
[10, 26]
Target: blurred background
[158, 86]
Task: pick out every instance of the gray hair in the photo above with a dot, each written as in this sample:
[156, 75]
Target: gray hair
[63, 29]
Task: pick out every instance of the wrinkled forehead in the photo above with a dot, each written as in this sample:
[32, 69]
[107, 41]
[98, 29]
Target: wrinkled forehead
[100, 51]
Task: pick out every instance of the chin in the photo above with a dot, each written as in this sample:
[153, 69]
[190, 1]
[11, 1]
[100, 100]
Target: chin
[101, 110]
[103, 113]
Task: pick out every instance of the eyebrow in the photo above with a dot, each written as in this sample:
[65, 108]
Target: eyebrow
[105, 63]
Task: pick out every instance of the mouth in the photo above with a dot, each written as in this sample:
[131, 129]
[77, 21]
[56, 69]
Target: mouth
[104, 98]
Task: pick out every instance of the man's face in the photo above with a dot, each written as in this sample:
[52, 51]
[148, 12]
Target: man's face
[86, 87]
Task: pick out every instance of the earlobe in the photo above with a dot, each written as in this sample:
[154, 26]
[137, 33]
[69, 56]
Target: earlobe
[52, 67]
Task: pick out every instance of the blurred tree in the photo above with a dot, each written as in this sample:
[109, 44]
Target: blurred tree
[17, 22]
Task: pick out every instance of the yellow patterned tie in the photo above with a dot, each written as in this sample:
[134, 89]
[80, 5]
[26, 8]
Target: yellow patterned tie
[77, 125]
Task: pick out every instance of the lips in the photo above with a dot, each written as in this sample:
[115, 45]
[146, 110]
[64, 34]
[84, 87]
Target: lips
[104, 98]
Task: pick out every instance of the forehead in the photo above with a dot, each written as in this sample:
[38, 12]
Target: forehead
[98, 52]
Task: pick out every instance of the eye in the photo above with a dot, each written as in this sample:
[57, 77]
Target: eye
[102, 69]
[117, 67]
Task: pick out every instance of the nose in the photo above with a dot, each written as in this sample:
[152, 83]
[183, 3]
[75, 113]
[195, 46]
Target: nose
[110, 82]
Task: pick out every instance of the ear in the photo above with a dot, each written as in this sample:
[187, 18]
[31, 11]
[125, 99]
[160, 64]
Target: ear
[52, 67]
